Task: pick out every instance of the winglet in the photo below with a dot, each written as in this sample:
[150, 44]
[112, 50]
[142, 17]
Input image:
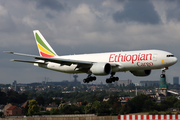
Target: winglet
[44, 48]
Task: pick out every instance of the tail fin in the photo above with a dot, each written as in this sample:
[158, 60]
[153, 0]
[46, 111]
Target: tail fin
[44, 48]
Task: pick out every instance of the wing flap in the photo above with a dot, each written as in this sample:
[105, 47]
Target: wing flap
[63, 61]
[26, 61]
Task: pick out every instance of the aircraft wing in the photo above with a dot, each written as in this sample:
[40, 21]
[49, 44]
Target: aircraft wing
[55, 60]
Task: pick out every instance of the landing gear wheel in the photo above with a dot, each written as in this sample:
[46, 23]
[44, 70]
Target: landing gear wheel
[93, 78]
[116, 78]
[108, 80]
[163, 72]
[112, 78]
[89, 79]
[86, 80]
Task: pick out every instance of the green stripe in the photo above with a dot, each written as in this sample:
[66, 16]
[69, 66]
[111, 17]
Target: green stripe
[42, 43]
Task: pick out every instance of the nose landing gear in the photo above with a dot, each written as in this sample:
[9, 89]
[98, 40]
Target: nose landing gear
[163, 72]
[112, 78]
[163, 85]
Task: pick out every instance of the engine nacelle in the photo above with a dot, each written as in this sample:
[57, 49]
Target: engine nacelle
[141, 72]
[101, 69]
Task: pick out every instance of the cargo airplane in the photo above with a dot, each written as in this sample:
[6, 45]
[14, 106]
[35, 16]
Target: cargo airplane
[139, 63]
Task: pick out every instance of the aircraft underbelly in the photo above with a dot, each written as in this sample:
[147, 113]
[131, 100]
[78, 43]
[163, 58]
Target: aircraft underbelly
[57, 67]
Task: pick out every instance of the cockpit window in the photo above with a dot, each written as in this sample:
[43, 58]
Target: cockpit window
[170, 55]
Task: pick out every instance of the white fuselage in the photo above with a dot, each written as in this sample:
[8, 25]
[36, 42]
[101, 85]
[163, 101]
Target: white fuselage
[125, 61]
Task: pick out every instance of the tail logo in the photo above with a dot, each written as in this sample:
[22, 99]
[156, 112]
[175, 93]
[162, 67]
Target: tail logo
[44, 50]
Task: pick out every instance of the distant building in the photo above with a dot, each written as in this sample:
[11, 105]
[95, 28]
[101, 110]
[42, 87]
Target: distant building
[176, 80]
[123, 82]
[75, 78]
[1, 108]
[14, 84]
[123, 100]
[48, 108]
[57, 98]
[158, 97]
[8, 105]
[64, 83]
[13, 111]
[24, 104]
[78, 103]
[149, 83]
[43, 82]
[101, 83]
[137, 84]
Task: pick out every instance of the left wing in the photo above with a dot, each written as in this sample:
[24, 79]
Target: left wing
[55, 60]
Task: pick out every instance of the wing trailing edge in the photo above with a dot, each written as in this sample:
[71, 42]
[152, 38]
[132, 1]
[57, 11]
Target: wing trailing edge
[26, 61]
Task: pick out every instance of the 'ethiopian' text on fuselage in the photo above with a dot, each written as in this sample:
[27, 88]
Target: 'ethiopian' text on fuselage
[129, 58]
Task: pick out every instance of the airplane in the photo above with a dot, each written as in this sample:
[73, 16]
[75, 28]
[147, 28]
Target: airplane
[139, 63]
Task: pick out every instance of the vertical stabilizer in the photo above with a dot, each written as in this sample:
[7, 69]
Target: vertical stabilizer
[44, 48]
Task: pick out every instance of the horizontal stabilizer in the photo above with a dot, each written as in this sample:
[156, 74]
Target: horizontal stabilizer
[28, 55]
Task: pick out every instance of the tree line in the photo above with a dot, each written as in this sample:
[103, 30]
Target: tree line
[92, 102]
[44, 98]
[140, 103]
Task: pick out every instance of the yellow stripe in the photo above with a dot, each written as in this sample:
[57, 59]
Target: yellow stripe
[44, 50]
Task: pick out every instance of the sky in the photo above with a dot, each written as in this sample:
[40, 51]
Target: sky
[86, 26]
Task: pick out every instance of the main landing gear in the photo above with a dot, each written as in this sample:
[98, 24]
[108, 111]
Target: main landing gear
[89, 79]
[112, 79]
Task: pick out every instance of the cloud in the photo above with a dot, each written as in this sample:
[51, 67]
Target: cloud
[172, 13]
[3, 11]
[84, 27]
[29, 21]
[141, 11]
[49, 8]
[54, 5]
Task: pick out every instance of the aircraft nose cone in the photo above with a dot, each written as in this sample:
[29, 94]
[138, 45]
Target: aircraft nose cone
[175, 60]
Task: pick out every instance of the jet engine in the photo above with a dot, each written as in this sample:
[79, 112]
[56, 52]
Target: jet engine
[101, 68]
[141, 72]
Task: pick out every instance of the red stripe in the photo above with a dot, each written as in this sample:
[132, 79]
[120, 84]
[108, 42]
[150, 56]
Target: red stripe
[124, 117]
[45, 55]
[176, 116]
[119, 117]
[159, 117]
[130, 117]
[147, 117]
[170, 117]
[136, 117]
